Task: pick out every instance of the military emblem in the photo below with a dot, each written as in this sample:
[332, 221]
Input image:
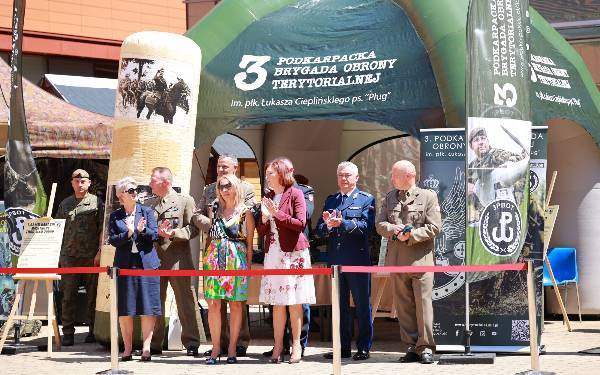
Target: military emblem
[449, 246]
[534, 181]
[16, 218]
[500, 228]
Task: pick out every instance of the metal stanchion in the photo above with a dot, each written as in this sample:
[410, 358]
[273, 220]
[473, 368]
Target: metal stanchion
[533, 338]
[335, 321]
[114, 333]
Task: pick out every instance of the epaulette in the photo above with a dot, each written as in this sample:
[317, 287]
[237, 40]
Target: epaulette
[368, 195]
[332, 196]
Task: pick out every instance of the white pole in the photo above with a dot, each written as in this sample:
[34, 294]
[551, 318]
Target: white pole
[533, 344]
[114, 333]
[335, 321]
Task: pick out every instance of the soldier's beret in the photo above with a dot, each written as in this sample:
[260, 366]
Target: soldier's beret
[80, 173]
[475, 132]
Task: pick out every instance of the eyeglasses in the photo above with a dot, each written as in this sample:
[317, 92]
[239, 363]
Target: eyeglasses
[225, 187]
[131, 191]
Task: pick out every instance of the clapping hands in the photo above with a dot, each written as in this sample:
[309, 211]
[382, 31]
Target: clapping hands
[332, 218]
[268, 208]
[165, 230]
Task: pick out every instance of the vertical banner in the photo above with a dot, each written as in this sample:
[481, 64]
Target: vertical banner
[7, 287]
[24, 194]
[499, 316]
[498, 131]
[443, 170]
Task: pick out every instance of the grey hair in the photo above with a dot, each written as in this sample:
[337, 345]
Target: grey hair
[230, 156]
[122, 184]
[347, 164]
[164, 172]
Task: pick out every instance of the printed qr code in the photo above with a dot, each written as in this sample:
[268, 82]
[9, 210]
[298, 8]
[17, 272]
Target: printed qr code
[520, 330]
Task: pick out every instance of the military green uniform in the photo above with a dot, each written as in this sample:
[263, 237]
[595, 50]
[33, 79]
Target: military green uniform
[412, 291]
[208, 197]
[480, 168]
[81, 242]
[175, 254]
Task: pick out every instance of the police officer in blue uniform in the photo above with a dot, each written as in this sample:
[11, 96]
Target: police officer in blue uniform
[348, 219]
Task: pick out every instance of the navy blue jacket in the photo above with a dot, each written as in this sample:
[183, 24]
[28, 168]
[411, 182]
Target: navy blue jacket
[117, 237]
[348, 244]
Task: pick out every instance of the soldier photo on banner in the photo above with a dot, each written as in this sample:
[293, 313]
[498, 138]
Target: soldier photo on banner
[497, 185]
[153, 90]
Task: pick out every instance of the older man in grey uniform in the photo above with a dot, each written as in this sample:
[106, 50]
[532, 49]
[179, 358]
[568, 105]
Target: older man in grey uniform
[227, 164]
[410, 219]
[174, 216]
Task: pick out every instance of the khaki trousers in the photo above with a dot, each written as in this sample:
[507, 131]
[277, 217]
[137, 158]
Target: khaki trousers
[187, 308]
[412, 296]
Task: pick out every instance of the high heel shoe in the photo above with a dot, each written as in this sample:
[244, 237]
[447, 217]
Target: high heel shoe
[146, 358]
[213, 360]
[231, 360]
[126, 358]
[295, 360]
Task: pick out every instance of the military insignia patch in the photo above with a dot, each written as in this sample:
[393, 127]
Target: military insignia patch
[500, 228]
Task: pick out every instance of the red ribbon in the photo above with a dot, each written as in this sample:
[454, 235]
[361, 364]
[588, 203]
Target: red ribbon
[261, 272]
[418, 269]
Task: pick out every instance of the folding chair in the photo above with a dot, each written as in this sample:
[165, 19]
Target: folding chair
[563, 261]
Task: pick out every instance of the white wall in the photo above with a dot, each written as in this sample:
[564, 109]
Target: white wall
[574, 154]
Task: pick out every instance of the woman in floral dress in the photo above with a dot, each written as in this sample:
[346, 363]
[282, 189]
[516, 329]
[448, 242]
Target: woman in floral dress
[282, 223]
[230, 248]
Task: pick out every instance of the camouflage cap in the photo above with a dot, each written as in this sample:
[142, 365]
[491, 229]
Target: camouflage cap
[80, 173]
[475, 132]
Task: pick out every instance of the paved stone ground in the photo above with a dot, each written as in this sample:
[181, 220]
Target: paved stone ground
[561, 357]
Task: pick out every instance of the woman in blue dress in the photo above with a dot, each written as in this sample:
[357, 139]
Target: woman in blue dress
[132, 231]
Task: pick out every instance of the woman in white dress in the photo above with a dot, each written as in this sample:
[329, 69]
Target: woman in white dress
[282, 223]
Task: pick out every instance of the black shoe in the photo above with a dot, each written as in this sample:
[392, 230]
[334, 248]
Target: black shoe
[126, 358]
[223, 352]
[410, 357]
[240, 351]
[345, 354]
[146, 358]
[427, 358]
[139, 352]
[302, 354]
[286, 351]
[90, 338]
[68, 340]
[192, 351]
[231, 360]
[361, 355]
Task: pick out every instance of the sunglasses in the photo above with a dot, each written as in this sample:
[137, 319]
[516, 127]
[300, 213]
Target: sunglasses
[131, 191]
[225, 187]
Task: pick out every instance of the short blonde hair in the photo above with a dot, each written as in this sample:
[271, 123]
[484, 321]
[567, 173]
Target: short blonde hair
[123, 183]
[236, 184]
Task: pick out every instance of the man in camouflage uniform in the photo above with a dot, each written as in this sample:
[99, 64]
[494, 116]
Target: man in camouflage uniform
[487, 180]
[174, 213]
[83, 213]
[226, 164]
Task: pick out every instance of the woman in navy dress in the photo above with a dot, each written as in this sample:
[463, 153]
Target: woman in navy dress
[132, 230]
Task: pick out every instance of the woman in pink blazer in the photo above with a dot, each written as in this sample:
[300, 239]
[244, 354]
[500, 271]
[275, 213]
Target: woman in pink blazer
[282, 223]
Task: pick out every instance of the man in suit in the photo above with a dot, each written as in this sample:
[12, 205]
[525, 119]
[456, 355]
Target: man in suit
[348, 218]
[227, 164]
[174, 214]
[410, 219]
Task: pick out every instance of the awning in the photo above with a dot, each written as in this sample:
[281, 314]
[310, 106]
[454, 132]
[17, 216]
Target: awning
[58, 129]
[90, 93]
